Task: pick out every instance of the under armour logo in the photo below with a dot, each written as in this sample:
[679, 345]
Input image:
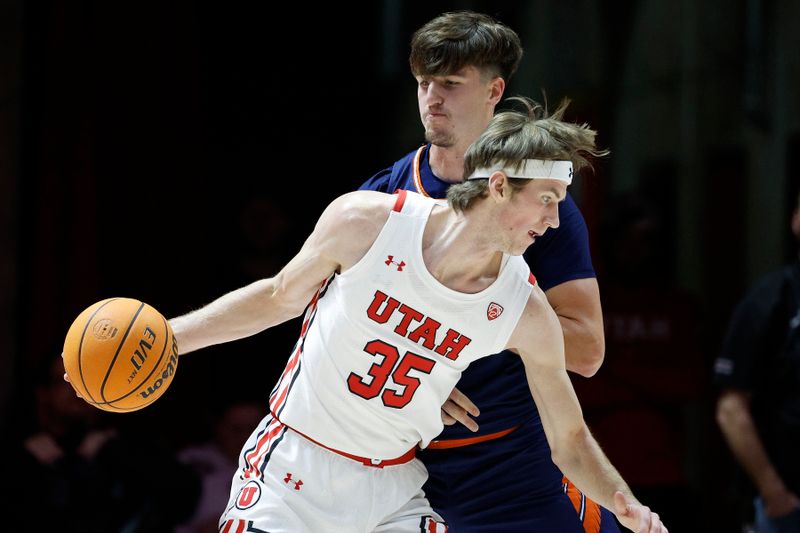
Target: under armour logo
[288, 479]
[391, 261]
[570, 172]
[494, 311]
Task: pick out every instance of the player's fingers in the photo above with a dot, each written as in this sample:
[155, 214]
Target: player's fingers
[461, 399]
[447, 420]
[633, 515]
[66, 378]
[645, 519]
[655, 524]
[621, 507]
[459, 414]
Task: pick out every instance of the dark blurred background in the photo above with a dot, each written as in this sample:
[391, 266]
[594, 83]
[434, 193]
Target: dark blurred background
[173, 151]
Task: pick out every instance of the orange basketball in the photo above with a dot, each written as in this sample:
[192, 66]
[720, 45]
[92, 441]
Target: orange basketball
[120, 354]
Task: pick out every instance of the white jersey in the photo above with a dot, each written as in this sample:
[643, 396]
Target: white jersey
[383, 344]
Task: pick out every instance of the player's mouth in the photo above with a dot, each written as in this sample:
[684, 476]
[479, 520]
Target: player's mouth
[432, 115]
[532, 234]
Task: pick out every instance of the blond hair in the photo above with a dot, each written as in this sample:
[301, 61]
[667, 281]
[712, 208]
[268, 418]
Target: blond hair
[514, 136]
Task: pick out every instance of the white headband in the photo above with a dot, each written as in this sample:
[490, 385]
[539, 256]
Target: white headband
[531, 169]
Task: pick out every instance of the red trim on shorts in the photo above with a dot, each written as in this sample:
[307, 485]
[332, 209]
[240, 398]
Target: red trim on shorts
[366, 461]
[240, 524]
[401, 199]
[531, 279]
[263, 446]
[458, 443]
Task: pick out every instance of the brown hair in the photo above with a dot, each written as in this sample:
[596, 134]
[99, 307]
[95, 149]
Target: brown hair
[460, 39]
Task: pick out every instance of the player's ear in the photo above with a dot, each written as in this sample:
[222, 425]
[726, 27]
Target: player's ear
[498, 186]
[496, 89]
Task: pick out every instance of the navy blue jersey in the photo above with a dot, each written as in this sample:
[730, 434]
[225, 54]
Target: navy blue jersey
[497, 384]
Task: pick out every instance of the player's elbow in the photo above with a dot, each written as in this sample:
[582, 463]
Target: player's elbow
[732, 407]
[590, 359]
[287, 303]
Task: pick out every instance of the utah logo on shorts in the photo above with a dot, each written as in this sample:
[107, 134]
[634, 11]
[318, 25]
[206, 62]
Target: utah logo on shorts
[249, 495]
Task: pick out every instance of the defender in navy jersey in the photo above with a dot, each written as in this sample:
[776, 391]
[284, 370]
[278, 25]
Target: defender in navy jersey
[461, 62]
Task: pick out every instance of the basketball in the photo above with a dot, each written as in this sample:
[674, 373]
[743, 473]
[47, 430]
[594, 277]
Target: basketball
[120, 354]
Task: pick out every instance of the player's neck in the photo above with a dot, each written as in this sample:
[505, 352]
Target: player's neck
[447, 163]
[454, 254]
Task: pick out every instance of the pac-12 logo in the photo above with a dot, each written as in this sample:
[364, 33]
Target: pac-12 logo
[494, 311]
[249, 495]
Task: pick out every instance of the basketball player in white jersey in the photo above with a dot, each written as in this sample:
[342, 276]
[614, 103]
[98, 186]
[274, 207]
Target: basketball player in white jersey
[404, 293]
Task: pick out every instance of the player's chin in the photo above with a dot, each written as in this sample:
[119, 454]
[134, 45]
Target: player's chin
[439, 137]
[519, 250]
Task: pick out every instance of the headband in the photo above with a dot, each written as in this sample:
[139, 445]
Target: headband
[531, 169]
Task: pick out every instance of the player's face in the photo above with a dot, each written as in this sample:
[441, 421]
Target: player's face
[530, 212]
[457, 107]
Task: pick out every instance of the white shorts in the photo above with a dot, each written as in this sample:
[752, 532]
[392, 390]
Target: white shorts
[288, 484]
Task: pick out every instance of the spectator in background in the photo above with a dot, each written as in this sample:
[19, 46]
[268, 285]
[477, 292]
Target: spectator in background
[54, 465]
[214, 461]
[653, 372]
[758, 410]
[76, 471]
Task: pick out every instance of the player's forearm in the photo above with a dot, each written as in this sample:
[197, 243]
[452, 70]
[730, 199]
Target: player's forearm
[739, 430]
[584, 346]
[580, 459]
[237, 314]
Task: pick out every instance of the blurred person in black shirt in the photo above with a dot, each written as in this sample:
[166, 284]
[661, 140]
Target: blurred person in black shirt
[758, 410]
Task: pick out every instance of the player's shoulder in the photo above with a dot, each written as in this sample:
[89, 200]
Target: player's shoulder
[350, 224]
[359, 210]
[397, 176]
[538, 312]
[537, 301]
[537, 324]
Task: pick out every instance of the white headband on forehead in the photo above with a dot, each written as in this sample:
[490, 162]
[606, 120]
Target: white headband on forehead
[531, 169]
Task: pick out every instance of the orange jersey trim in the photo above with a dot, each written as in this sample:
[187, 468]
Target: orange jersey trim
[417, 174]
[457, 443]
[588, 511]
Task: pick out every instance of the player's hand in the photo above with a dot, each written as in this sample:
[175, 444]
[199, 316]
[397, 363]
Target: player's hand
[635, 516]
[780, 503]
[458, 408]
[66, 378]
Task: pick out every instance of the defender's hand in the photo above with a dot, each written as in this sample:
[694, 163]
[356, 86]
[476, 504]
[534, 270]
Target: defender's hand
[636, 517]
[458, 408]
